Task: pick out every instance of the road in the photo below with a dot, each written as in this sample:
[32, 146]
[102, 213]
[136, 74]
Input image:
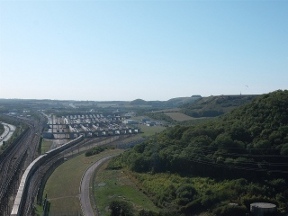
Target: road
[84, 197]
[8, 132]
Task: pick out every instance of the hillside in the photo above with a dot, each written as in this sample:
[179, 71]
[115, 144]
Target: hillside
[197, 109]
[171, 103]
[244, 138]
[215, 105]
[249, 144]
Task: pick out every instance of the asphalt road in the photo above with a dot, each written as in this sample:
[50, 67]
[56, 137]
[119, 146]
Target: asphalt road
[8, 132]
[87, 208]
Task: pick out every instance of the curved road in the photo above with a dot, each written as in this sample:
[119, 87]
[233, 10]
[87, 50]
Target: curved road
[84, 197]
[8, 132]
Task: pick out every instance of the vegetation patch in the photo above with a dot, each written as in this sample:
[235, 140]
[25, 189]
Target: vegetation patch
[196, 195]
[215, 105]
[45, 145]
[1, 128]
[160, 116]
[246, 148]
[150, 131]
[178, 116]
[62, 187]
[116, 187]
[94, 151]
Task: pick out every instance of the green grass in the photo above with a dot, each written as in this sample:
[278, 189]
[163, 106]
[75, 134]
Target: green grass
[38, 210]
[117, 185]
[62, 187]
[147, 131]
[150, 131]
[177, 116]
[45, 145]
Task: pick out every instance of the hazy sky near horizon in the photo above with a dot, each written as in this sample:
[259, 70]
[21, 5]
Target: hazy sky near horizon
[153, 50]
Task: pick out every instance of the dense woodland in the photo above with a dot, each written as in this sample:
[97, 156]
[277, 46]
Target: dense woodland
[243, 156]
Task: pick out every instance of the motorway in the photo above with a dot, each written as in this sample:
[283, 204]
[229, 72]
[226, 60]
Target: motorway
[8, 132]
[87, 208]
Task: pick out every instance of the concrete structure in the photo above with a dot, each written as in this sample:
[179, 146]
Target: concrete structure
[262, 208]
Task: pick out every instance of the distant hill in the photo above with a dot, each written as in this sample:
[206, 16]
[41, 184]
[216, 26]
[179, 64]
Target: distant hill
[138, 102]
[215, 105]
[183, 100]
[171, 103]
[197, 106]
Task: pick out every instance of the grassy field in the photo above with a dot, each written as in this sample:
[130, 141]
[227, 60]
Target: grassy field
[177, 116]
[62, 187]
[117, 185]
[149, 131]
[45, 145]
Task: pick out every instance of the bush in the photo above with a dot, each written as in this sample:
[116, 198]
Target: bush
[115, 164]
[94, 151]
[229, 210]
[185, 194]
[121, 208]
[147, 213]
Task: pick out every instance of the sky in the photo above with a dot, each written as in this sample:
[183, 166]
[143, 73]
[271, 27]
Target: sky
[153, 50]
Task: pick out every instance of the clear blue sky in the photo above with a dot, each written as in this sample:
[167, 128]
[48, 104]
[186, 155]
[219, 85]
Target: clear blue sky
[153, 50]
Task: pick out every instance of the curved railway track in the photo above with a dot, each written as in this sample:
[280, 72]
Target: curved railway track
[33, 184]
[6, 132]
[15, 160]
[36, 179]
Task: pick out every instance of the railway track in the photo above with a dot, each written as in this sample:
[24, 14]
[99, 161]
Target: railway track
[36, 179]
[10, 164]
[14, 161]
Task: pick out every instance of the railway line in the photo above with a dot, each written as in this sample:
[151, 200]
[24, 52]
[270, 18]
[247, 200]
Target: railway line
[19, 155]
[30, 182]
[10, 171]
[14, 160]
[39, 170]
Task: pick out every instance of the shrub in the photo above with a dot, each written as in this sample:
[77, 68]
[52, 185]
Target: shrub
[94, 151]
[229, 210]
[121, 208]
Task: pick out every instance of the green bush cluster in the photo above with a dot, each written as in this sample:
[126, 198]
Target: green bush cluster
[94, 151]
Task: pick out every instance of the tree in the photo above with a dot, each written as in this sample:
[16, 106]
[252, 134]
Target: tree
[121, 208]
[185, 194]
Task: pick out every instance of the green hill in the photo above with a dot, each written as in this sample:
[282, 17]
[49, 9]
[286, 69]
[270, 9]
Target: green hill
[215, 105]
[253, 137]
[138, 102]
[249, 143]
[171, 103]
